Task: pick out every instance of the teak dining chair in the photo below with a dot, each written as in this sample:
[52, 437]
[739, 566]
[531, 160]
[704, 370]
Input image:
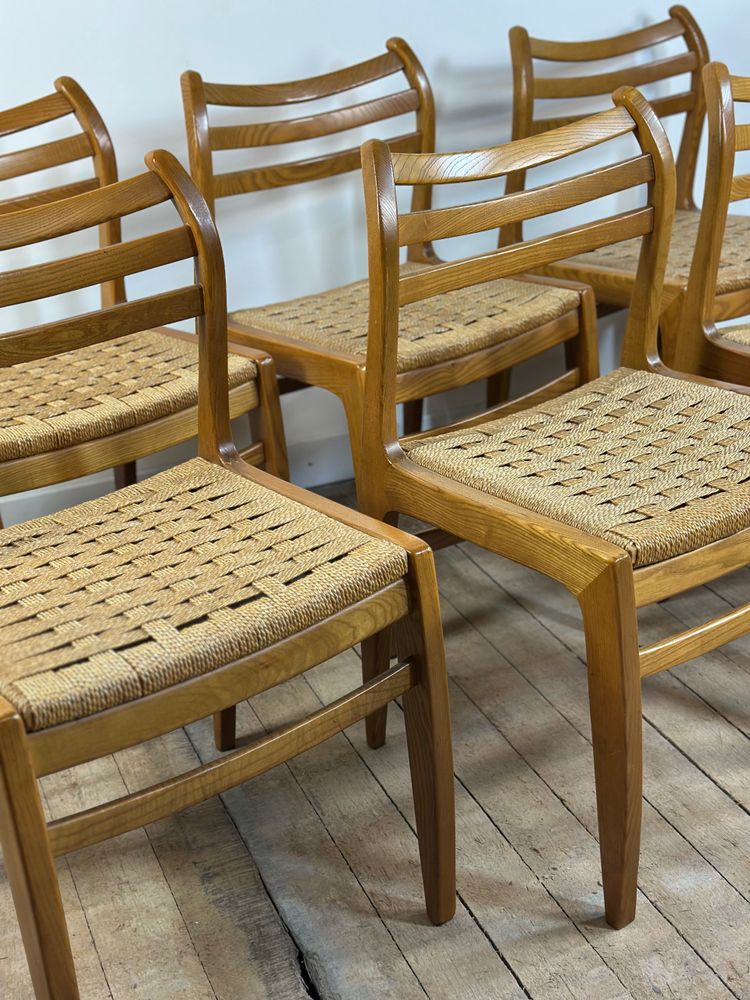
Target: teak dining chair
[134, 614]
[108, 405]
[321, 340]
[626, 490]
[611, 270]
[702, 347]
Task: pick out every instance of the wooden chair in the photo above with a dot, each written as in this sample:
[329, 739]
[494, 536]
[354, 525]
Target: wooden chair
[699, 345]
[611, 270]
[627, 490]
[321, 340]
[131, 615]
[107, 405]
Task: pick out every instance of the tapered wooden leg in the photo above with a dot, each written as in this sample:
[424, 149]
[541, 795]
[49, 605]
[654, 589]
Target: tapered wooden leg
[498, 387]
[609, 618]
[413, 410]
[428, 735]
[376, 658]
[126, 475]
[31, 870]
[225, 728]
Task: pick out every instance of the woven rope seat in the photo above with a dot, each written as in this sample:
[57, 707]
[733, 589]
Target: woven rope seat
[96, 391]
[737, 334]
[655, 465]
[734, 267]
[438, 329]
[188, 571]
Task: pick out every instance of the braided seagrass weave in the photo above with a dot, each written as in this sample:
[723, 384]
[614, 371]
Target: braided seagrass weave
[734, 268]
[655, 465]
[433, 330]
[141, 589]
[96, 391]
[738, 334]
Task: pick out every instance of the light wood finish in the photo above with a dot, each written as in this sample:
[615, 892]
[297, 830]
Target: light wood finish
[28, 752]
[300, 360]
[599, 574]
[92, 142]
[613, 280]
[699, 346]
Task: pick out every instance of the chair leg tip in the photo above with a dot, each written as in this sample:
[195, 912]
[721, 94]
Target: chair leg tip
[442, 911]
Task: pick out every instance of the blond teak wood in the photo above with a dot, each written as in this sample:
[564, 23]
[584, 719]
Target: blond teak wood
[699, 345]
[300, 360]
[91, 142]
[613, 279]
[600, 574]
[27, 753]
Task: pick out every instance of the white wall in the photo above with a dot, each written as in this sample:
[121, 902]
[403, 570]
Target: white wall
[129, 58]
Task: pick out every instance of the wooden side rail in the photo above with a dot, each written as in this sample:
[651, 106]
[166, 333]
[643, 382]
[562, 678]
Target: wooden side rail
[695, 641]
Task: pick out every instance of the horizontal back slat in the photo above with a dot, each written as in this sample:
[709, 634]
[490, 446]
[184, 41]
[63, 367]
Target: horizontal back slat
[49, 154]
[38, 112]
[604, 83]
[448, 168]
[299, 171]
[740, 188]
[36, 198]
[459, 220]
[30, 283]
[672, 104]
[106, 324]
[606, 48]
[313, 126]
[740, 87]
[81, 211]
[742, 137]
[524, 256]
[310, 89]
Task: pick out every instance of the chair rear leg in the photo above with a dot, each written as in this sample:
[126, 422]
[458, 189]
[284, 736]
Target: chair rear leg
[126, 475]
[413, 410]
[428, 735]
[31, 869]
[376, 658]
[609, 618]
[498, 388]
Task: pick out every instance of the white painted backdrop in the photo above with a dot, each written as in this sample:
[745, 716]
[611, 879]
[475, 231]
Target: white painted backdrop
[129, 57]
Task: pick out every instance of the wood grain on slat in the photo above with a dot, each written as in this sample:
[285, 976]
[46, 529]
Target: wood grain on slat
[43, 109]
[30, 283]
[604, 83]
[119, 320]
[606, 48]
[742, 137]
[313, 126]
[310, 89]
[50, 154]
[441, 223]
[740, 87]
[82, 211]
[740, 187]
[524, 257]
[299, 171]
[495, 161]
[44, 197]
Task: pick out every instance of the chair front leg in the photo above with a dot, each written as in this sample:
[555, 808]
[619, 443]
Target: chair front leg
[428, 736]
[610, 624]
[31, 869]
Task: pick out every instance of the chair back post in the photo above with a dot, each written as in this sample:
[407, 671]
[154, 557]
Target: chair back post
[214, 433]
[640, 347]
[687, 155]
[198, 141]
[697, 318]
[383, 269]
[523, 113]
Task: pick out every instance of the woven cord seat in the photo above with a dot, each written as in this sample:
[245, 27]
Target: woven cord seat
[737, 334]
[431, 331]
[655, 465]
[90, 393]
[197, 567]
[734, 268]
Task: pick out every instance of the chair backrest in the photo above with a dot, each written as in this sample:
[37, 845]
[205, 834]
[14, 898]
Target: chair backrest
[205, 140]
[581, 80]
[388, 230]
[726, 138]
[90, 140]
[193, 238]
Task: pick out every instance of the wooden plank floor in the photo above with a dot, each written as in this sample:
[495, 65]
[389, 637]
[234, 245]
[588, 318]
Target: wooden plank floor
[305, 883]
